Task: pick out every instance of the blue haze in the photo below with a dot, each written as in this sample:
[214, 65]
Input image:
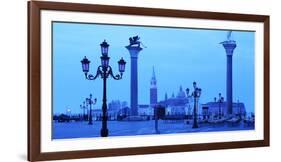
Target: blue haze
[180, 56]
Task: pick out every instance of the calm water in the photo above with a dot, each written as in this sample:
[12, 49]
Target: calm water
[125, 128]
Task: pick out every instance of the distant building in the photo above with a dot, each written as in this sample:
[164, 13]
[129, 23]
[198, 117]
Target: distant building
[145, 110]
[114, 108]
[212, 109]
[114, 105]
[124, 104]
[96, 113]
[125, 111]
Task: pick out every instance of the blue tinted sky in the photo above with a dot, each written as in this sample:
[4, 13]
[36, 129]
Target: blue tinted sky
[180, 56]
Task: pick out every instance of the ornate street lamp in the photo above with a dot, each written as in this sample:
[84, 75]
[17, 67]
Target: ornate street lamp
[104, 48]
[121, 65]
[196, 95]
[91, 102]
[85, 65]
[104, 71]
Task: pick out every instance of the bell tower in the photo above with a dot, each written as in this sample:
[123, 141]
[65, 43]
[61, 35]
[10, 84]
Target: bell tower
[153, 89]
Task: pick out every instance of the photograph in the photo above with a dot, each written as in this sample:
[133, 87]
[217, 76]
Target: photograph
[112, 80]
[106, 80]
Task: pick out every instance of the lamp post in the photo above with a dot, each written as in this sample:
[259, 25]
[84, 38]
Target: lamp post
[81, 115]
[87, 114]
[104, 71]
[83, 107]
[220, 101]
[196, 95]
[156, 117]
[91, 102]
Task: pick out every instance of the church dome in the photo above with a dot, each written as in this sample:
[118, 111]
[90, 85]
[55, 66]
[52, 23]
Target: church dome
[181, 93]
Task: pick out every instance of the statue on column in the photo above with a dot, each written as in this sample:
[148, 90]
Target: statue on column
[136, 41]
[228, 35]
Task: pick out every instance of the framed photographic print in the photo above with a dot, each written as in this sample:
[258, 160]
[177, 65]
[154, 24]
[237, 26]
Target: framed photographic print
[115, 80]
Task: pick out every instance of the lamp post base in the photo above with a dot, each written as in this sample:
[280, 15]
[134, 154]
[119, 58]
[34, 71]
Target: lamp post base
[90, 121]
[195, 126]
[104, 132]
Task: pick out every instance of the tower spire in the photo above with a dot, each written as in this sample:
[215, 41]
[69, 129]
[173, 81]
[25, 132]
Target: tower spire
[166, 96]
[153, 73]
[153, 81]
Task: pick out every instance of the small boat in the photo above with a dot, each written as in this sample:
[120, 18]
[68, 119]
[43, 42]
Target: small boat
[233, 120]
[216, 121]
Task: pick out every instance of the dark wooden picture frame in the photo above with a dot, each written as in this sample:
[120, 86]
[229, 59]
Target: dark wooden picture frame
[34, 77]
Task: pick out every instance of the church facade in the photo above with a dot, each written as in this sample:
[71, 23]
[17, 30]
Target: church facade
[177, 105]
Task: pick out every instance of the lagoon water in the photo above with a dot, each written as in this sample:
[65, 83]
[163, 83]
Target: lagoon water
[129, 128]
